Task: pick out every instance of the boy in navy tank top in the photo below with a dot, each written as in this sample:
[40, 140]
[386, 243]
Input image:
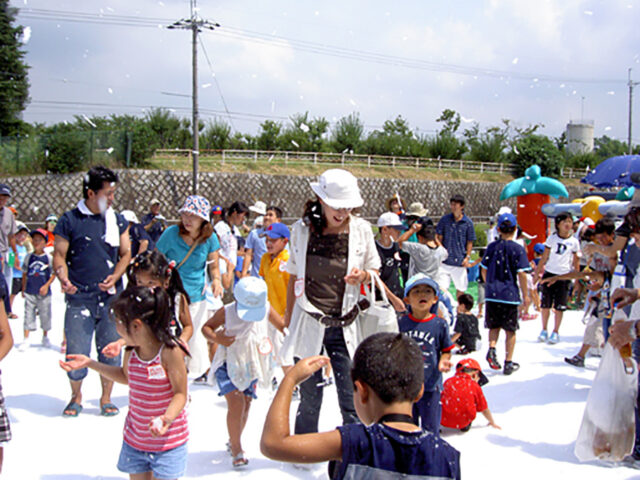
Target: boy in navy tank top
[388, 379]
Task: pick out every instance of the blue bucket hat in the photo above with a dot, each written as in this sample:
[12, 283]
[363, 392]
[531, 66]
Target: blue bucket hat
[251, 299]
[420, 279]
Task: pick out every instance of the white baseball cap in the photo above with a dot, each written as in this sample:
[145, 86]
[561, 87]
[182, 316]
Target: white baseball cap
[390, 219]
[259, 207]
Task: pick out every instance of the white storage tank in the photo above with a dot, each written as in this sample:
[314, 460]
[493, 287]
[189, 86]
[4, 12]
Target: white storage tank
[579, 136]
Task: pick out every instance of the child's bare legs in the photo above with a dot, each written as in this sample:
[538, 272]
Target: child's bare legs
[494, 334]
[237, 414]
[535, 296]
[557, 320]
[510, 345]
[545, 312]
[142, 476]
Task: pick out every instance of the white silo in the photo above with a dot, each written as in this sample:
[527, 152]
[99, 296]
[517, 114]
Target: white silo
[579, 136]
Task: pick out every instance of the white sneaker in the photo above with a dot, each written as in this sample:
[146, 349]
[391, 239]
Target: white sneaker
[46, 342]
[22, 347]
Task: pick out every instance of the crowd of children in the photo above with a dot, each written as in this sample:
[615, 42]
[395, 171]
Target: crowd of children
[400, 396]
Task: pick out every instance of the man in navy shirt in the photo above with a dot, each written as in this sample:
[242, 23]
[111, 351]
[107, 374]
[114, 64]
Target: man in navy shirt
[91, 253]
[456, 233]
[504, 265]
[154, 223]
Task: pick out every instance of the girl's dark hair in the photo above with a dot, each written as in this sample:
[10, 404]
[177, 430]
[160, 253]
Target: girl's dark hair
[155, 264]
[561, 217]
[632, 220]
[206, 230]
[151, 306]
[312, 216]
[237, 207]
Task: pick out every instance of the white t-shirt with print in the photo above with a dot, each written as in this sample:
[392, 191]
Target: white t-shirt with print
[561, 252]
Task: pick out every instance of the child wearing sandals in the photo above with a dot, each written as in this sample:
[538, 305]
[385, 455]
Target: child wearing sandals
[245, 355]
[155, 433]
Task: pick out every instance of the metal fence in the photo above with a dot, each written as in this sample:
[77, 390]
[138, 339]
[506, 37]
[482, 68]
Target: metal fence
[279, 157]
[63, 151]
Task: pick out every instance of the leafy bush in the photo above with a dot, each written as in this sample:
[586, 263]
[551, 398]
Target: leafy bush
[539, 150]
[64, 150]
[481, 234]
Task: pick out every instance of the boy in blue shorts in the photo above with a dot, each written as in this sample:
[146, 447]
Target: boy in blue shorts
[432, 336]
[388, 378]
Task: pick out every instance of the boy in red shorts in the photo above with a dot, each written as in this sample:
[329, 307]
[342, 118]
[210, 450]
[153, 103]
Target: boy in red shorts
[462, 397]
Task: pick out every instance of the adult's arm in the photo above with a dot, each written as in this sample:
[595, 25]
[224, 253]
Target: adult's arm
[125, 258]
[291, 300]
[246, 264]
[60, 248]
[213, 259]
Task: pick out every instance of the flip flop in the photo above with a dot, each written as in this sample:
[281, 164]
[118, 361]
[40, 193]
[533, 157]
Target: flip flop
[73, 409]
[109, 410]
[240, 461]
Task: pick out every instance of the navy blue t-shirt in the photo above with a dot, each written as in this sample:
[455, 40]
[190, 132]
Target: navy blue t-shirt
[89, 258]
[137, 234]
[503, 260]
[38, 269]
[455, 236]
[155, 232]
[432, 336]
[381, 452]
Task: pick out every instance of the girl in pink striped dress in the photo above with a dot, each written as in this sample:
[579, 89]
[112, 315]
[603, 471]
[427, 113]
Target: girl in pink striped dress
[155, 430]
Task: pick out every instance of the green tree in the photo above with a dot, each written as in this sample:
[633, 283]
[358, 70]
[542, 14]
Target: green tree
[488, 146]
[216, 135]
[348, 133]
[14, 84]
[530, 149]
[64, 149]
[395, 138]
[305, 135]
[268, 136]
[606, 147]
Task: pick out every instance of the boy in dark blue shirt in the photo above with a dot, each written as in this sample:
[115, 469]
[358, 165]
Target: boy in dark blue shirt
[388, 378]
[431, 333]
[504, 265]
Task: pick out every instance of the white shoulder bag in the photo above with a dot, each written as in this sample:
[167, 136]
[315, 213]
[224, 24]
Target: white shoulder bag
[380, 316]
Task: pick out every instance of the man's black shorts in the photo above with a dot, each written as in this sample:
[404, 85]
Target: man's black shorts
[501, 315]
[556, 295]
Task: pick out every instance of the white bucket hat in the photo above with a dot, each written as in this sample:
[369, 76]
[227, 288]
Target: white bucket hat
[338, 189]
[259, 207]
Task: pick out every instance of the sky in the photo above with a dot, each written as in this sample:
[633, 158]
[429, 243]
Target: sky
[532, 62]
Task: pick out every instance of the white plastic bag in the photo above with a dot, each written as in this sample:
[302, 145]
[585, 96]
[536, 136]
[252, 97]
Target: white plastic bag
[607, 431]
[380, 316]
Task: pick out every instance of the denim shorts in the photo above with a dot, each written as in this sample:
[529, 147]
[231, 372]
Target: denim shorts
[226, 386]
[169, 464]
[83, 317]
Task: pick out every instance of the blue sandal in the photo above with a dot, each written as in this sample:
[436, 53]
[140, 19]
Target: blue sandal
[109, 410]
[73, 409]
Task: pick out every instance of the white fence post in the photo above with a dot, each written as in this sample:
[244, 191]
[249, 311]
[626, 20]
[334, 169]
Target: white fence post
[222, 162]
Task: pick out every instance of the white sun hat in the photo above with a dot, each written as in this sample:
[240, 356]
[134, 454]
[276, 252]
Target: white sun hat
[338, 189]
[259, 207]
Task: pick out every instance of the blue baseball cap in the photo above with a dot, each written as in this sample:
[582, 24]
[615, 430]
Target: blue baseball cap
[539, 248]
[251, 299]
[507, 217]
[277, 230]
[420, 279]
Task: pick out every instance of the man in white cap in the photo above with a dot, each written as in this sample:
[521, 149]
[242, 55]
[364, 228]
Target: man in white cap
[154, 223]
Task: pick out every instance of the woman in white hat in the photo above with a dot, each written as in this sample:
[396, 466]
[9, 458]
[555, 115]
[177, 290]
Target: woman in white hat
[194, 247]
[331, 251]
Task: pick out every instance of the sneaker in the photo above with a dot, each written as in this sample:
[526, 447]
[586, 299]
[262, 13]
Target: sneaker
[296, 395]
[510, 367]
[631, 461]
[274, 384]
[554, 338]
[22, 347]
[576, 361]
[492, 358]
[543, 337]
[202, 379]
[46, 342]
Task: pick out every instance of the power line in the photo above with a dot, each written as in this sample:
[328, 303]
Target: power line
[317, 48]
[215, 80]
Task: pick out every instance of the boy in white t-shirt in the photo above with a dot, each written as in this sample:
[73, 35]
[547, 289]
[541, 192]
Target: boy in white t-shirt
[561, 256]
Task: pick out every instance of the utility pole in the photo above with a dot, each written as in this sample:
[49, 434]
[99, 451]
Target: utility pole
[195, 24]
[631, 85]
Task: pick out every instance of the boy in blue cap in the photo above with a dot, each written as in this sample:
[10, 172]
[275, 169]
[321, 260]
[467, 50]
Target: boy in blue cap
[504, 266]
[432, 336]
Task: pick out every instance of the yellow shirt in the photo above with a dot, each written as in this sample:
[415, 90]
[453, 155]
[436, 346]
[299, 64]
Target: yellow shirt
[277, 278]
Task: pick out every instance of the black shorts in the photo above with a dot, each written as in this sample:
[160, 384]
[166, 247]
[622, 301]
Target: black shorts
[16, 286]
[501, 315]
[556, 295]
